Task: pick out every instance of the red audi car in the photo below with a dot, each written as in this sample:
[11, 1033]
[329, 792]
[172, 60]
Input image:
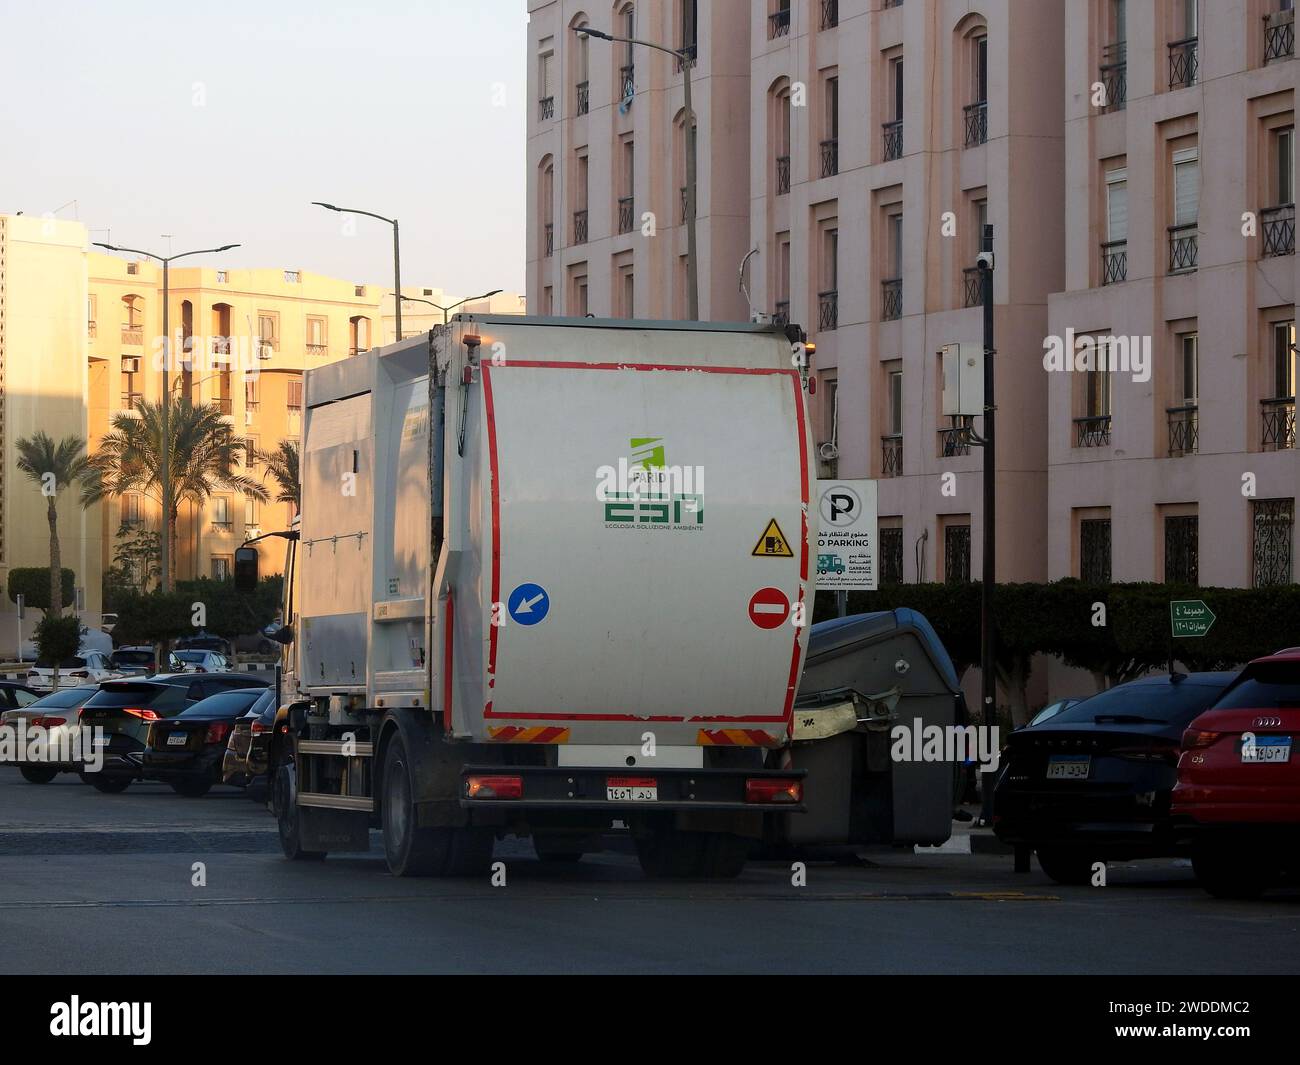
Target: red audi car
[1238, 791]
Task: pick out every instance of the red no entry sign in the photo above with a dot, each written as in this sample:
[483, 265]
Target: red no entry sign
[769, 608]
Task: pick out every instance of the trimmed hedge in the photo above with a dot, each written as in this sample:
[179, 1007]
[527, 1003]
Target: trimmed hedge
[33, 582]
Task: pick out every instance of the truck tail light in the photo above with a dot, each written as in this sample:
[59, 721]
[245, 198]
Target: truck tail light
[494, 787]
[1194, 738]
[217, 732]
[773, 789]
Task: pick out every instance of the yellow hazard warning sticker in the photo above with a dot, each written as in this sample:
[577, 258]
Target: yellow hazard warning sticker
[772, 544]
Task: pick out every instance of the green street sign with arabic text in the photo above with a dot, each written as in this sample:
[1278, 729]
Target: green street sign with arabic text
[1190, 617]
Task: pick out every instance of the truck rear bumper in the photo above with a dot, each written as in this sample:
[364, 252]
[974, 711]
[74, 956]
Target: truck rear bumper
[588, 788]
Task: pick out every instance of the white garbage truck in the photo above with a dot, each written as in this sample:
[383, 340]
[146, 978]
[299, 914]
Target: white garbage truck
[550, 576]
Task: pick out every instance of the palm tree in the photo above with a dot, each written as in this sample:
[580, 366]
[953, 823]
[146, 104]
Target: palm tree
[204, 456]
[55, 466]
[282, 465]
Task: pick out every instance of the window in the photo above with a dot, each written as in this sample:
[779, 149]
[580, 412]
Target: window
[221, 567]
[1114, 252]
[250, 514]
[1273, 524]
[546, 194]
[293, 396]
[892, 285]
[895, 394]
[1278, 409]
[545, 86]
[293, 277]
[91, 305]
[830, 143]
[1278, 221]
[221, 512]
[1094, 550]
[1187, 201]
[627, 202]
[580, 198]
[1284, 153]
[358, 334]
[1182, 549]
[582, 71]
[252, 395]
[1184, 414]
[891, 555]
[132, 382]
[132, 509]
[828, 296]
[976, 113]
[268, 330]
[690, 22]
[893, 128]
[956, 552]
[1189, 344]
[1284, 359]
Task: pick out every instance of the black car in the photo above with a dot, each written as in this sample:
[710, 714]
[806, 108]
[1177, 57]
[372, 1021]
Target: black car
[204, 642]
[124, 710]
[14, 695]
[1093, 782]
[140, 661]
[252, 748]
[187, 751]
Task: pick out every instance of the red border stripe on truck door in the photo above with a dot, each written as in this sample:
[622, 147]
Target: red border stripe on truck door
[804, 488]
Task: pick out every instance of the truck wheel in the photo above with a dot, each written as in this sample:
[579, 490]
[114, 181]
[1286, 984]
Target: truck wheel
[38, 774]
[287, 819]
[723, 856]
[1228, 875]
[1065, 867]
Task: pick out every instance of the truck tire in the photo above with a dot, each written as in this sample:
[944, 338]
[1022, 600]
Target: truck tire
[723, 856]
[286, 818]
[38, 774]
[1228, 875]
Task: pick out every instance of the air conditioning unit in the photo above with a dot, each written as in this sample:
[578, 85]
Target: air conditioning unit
[265, 350]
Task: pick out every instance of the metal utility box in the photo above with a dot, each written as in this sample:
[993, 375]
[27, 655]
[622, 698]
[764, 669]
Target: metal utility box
[863, 676]
[963, 379]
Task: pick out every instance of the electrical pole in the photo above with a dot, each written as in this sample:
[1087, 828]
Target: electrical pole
[988, 673]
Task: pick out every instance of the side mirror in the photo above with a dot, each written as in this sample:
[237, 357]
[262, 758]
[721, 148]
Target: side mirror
[284, 634]
[246, 560]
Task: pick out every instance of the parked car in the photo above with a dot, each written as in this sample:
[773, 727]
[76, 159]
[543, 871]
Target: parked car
[187, 751]
[56, 713]
[252, 749]
[202, 661]
[1051, 710]
[1238, 792]
[124, 710]
[203, 642]
[108, 622]
[140, 661]
[1092, 783]
[88, 665]
[14, 695]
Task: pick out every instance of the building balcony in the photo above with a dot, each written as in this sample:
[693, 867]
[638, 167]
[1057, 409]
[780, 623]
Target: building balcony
[830, 14]
[681, 204]
[893, 132]
[778, 24]
[133, 335]
[546, 108]
[580, 227]
[972, 285]
[1183, 249]
[891, 455]
[223, 526]
[1279, 36]
[584, 98]
[1278, 417]
[891, 299]
[1184, 436]
[548, 240]
[1092, 431]
[625, 214]
[130, 400]
[828, 309]
[782, 174]
[91, 329]
[955, 440]
[1278, 229]
[1184, 65]
[830, 156]
[320, 350]
[627, 81]
[1113, 76]
[977, 123]
[1114, 262]
[781, 313]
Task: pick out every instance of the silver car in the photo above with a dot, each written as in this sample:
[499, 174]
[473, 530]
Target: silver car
[57, 715]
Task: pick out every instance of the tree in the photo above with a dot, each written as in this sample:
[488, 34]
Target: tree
[57, 639]
[33, 584]
[54, 467]
[203, 454]
[282, 464]
[136, 555]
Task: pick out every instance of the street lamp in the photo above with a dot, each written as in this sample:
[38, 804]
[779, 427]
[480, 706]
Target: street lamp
[447, 310]
[687, 60]
[397, 253]
[164, 553]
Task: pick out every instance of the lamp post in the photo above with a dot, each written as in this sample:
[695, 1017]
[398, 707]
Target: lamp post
[397, 253]
[687, 61]
[164, 552]
[446, 311]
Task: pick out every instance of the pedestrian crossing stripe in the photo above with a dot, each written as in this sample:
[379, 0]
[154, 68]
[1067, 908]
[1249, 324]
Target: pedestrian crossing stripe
[772, 544]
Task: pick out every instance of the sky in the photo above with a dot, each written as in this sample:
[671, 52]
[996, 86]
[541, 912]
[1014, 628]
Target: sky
[219, 123]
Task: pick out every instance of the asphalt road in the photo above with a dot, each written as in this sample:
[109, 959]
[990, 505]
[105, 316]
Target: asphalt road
[93, 883]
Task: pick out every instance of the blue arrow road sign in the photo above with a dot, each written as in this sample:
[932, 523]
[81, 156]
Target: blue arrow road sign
[528, 604]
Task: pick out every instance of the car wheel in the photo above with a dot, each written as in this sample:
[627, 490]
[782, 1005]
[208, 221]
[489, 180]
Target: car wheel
[38, 774]
[1228, 874]
[192, 789]
[287, 818]
[109, 785]
[1065, 867]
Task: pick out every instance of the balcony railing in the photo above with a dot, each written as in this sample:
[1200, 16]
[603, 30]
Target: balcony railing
[546, 107]
[830, 14]
[893, 139]
[222, 526]
[317, 349]
[1183, 63]
[627, 81]
[782, 174]
[548, 240]
[221, 345]
[972, 283]
[1114, 76]
[132, 334]
[955, 441]
[91, 329]
[681, 197]
[580, 227]
[1278, 229]
[830, 156]
[778, 24]
[977, 123]
[1183, 430]
[781, 313]
[891, 455]
[692, 53]
[1279, 36]
[1278, 416]
[584, 98]
[1183, 250]
[130, 400]
[891, 299]
[828, 309]
[1114, 262]
[1092, 431]
[625, 214]
[893, 3]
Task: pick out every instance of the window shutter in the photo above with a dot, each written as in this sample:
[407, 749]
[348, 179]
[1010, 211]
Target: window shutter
[1117, 205]
[1187, 188]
